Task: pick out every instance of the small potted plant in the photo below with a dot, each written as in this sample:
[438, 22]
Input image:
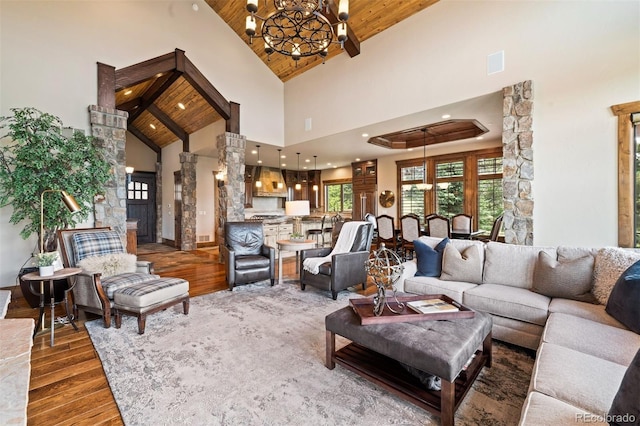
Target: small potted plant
[45, 262]
[296, 236]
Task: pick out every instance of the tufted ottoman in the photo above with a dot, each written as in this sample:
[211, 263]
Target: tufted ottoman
[150, 296]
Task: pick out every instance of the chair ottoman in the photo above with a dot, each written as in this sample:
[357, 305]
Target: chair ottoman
[148, 297]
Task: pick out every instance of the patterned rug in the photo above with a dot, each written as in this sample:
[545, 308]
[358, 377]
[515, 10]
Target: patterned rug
[255, 356]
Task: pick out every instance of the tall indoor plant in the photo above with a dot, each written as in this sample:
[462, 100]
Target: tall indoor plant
[37, 155]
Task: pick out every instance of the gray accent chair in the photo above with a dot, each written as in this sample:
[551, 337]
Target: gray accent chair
[246, 256]
[345, 269]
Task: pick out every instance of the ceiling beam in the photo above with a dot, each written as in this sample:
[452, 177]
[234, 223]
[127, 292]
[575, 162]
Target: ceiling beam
[148, 142]
[168, 122]
[129, 105]
[153, 93]
[206, 89]
[351, 44]
[135, 74]
[106, 85]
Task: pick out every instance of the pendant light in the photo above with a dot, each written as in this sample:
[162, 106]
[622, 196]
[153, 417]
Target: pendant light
[298, 185]
[259, 182]
[424, 186]
[315, 175]
[280, 185]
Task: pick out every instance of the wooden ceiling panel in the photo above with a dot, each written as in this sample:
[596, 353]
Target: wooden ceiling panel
[366, 19]
[444, 131]
[161, 135]
[136, 92]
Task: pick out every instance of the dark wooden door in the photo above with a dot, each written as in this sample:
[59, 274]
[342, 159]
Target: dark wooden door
[177, 187]
[141, 205]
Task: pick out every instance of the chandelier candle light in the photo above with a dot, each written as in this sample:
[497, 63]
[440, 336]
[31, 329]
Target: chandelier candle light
[298, 28]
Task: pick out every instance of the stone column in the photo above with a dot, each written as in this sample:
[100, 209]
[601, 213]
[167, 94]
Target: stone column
[108, 127]
[517, 141]
[231, 148]
[189, 212]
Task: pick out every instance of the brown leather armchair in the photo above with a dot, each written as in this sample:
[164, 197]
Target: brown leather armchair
[345, 269]
[246, 256]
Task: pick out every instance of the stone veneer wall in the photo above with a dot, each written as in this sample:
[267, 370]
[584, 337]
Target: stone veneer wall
[517, 151]
[108, 127]
[188, 170]
[231, 147]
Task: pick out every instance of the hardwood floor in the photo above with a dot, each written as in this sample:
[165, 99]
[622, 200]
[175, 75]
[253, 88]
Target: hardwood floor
[68, 385]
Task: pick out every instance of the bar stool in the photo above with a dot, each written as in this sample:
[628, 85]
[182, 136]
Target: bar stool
[317, 233]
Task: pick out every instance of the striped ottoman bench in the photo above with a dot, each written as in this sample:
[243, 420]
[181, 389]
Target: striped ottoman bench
[148, 297]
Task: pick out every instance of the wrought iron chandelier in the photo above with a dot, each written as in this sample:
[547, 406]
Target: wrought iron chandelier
[298, 28]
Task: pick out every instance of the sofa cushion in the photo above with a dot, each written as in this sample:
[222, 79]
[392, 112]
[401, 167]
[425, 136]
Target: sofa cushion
[87, 244]
[585, 381]
[110, 264]
[434, 285]
[459, 244]
[593, 338]
[540, 409]
[512, 265]
[624, 301]
[507, 301]
[570, 279]
[429, 259]
[583, 310]
[465, 266]
[610, 263]
[112, 284]
[625, 409]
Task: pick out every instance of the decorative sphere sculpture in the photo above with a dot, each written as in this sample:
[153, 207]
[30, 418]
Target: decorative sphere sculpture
[385, 268]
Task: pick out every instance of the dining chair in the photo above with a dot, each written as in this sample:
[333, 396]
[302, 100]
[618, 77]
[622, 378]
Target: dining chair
[409, 231]
[318, 233]
[461, 225]
[438, 226]
[386, 232]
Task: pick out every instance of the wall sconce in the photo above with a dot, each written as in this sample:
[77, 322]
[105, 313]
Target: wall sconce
[129, 171]
[220, 179]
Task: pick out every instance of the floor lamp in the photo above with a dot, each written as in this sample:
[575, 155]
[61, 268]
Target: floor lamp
[68, 201]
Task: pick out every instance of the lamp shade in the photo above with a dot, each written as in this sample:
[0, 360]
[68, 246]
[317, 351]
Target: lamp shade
[297, 208]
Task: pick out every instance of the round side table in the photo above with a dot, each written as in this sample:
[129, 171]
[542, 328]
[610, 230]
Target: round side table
[289, 245]
[57, 275]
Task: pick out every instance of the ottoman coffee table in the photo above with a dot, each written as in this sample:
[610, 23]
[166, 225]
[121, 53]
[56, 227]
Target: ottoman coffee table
[441, 348]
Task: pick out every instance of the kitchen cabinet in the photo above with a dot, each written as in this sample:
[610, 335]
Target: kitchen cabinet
[365, 188]
[315, 197]
[292, 178]
[274, 232]
[248, 186]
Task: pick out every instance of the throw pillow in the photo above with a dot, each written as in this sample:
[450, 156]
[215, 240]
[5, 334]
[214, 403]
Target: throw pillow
[569, 279]
[610, 263]
[110, 264]
[625, 409]
[465, 266]
[429, 259]
[625, 299]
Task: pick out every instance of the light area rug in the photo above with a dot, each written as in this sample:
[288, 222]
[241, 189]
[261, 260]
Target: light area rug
[255, 356]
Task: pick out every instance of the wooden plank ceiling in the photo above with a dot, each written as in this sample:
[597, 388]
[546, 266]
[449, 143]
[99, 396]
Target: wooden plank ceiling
[430, 134]
[366, 19]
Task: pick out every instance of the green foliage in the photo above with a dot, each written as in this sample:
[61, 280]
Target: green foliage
[46, 258]
[36, 156]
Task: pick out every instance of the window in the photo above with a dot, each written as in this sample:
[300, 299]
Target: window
[137, 191]
[468, 182]
[490, 203]
[636, 165]
[338, 196]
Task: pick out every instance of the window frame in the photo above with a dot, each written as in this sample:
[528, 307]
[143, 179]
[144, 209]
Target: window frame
[626, 172]
[326, 184]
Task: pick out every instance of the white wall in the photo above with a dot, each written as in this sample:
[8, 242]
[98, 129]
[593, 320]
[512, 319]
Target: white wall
[139, 156]
[48, 55]
[583, 57]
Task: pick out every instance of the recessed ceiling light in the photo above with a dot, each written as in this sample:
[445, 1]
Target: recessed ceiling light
[335, 167]
[480, 138]
[365, 135]
[195, 7]
[128, 92]
[284, 164]
[254, 152]
[409, 149]
[307, 161]
[357, 159]
[181, 105]
[304, 167]
[283, 156]
[152, 126]
[328, 164]
[446, 116]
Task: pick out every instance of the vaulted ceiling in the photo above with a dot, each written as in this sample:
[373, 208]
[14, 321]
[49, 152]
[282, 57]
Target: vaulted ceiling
[366, 19]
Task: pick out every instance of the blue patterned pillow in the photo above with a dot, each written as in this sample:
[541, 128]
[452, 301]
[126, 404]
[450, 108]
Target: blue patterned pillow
[87, 244]
[429, 259]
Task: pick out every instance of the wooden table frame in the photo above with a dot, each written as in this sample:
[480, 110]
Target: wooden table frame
[384, 372]
[288, 245]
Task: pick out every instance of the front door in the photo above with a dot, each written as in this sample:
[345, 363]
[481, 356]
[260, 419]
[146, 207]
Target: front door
[141, 205]
[177, 190]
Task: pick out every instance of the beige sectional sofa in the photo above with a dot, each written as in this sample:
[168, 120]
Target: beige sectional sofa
[582, 351]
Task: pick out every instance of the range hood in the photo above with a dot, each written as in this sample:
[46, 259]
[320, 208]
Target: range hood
[269, 176]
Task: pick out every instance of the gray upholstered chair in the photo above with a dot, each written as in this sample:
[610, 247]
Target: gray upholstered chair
[409, 231]
[461, 225]
[438, 226]
[246, 256]
[344, 269]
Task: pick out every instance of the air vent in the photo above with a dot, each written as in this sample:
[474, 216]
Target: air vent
[203, 238]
